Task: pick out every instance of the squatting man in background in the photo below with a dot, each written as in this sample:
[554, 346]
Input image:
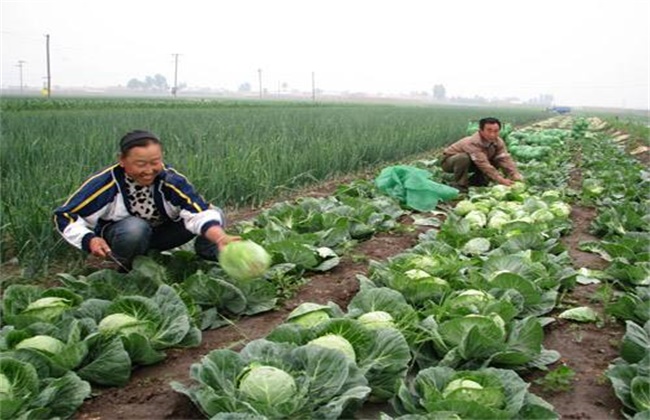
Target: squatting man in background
[140, 204]
[484, 154]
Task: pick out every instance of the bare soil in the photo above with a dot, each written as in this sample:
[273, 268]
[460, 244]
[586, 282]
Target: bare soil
[585, 348]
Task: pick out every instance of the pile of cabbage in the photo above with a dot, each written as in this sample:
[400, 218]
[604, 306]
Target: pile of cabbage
[529, 145]
[499, 207]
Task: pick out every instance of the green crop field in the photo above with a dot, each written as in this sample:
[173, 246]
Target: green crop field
[235, 152]
[448, 311]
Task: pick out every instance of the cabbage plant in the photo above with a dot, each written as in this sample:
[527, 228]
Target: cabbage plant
[382, 354]
[381, 304]
[421, 276]
[580, 314]
[497, 218]
[474, 341]
[476, 219]
[377, 319]
[335, 342]
[53, 349]
[267, 385]
[218, 295]
[487, 393]
[147, 326]
[144, 279]
[276, 380]
[47, 308]
[373, 306]
[630, 373]
[25, 395]
[476, 246]
[309, 314]
[23, 304]
[517, 279]
[463, 207]
[471, 301]
[44, 343]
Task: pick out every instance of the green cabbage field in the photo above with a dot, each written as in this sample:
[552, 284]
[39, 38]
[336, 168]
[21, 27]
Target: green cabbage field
[453, 326]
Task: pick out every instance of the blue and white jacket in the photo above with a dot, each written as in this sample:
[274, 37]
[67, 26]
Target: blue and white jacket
[102, 199]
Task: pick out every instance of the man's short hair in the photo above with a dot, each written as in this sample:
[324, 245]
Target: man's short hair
[488, 120]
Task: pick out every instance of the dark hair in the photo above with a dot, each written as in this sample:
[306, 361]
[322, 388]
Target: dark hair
[488, 120]
[137, 138]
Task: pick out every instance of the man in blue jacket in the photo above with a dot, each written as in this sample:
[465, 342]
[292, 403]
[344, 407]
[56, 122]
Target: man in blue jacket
[140, 204]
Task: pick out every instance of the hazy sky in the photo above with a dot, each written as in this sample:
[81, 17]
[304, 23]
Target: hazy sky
[583, 52]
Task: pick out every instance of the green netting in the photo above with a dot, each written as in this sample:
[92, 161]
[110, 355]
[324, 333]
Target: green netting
[413, 187]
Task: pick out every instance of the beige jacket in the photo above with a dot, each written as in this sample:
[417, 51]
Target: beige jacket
[488, 156]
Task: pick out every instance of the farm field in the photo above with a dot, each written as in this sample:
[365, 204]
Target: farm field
[236, 153]
[587, 349]
[539, 266]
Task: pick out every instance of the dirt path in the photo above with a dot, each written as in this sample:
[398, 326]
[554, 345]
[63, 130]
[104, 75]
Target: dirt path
[585, 348]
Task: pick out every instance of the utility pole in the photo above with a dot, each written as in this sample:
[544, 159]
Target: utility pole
[313, 86]
[259, 72]
[20, 66]
[49, 76]
[175, 88]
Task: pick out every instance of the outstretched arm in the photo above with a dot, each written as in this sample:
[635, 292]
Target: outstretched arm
[218, 236]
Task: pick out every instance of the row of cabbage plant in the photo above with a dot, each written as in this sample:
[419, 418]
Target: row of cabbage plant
[619, 185]
[439, 329]
[93, 329]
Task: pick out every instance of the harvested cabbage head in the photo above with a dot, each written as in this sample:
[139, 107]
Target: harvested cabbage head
[244, 260]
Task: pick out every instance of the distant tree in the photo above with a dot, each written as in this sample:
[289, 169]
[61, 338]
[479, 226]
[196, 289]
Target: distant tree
[135, 84]
[439, 92]
[157, 82]
[160, 83]
[244, 87]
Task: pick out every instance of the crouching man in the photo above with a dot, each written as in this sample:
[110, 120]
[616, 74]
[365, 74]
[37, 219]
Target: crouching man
[483, 155]
[139, 204]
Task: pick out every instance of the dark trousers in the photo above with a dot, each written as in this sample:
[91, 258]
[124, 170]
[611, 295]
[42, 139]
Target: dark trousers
[134, 236]
[461, 166]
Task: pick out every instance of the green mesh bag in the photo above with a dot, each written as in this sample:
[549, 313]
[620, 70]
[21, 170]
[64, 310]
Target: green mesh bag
[413, 188]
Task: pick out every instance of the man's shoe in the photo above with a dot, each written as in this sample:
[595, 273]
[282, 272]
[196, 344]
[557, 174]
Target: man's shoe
[461, 188]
